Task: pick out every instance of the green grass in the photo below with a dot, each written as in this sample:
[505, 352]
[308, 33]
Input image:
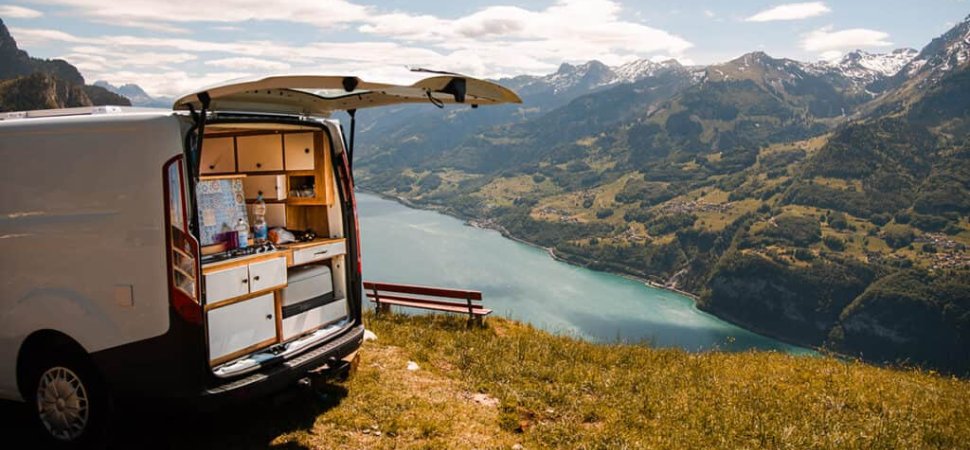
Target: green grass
[560, 392]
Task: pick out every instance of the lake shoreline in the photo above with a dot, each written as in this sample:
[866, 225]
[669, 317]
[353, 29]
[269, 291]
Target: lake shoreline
[486, 225]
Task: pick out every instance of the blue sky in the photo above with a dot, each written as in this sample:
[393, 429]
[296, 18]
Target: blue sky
[173, 46]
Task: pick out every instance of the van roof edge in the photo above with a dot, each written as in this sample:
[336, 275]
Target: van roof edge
[77, 111]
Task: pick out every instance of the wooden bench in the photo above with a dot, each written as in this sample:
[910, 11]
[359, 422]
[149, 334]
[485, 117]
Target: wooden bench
[441, 299]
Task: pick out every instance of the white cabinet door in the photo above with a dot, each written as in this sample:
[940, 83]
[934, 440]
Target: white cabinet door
[267, 274]
[218, 156]
[319, 252]
[299, 151]
[273, 187]
[241, 325]
[260, 153]
[225, 284]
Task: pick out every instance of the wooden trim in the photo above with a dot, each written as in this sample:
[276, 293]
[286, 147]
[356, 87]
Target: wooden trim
[219, 266]
[178, 250]
[304, 201]
[242, 352]
[242, 298]
[179, 270]
[278, 300]
[259, 132]
[227, 176]
[313, 243]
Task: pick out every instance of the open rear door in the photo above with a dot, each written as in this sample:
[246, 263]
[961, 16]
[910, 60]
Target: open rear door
[322, 95]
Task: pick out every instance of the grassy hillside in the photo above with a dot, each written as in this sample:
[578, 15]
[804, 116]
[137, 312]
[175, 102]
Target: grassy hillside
[510, 384]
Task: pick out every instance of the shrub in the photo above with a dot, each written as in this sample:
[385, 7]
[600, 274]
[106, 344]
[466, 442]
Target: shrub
[898, 236]
[604, 213]
[834, 243]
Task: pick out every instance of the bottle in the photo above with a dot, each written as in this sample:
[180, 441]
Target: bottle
[242, 234]
[260, 231]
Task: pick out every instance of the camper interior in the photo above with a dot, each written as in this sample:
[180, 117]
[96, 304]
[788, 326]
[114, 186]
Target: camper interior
[269, 295]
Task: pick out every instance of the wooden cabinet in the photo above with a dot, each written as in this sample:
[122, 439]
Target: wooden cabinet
[298, 150]
[241, 326]
[261, 153]
[226, 284]
[272, 187]
[218, 156]
[275, 214]
[238, 281]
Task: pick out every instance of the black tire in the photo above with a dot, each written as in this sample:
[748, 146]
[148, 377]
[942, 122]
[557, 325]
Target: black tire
[74, 390]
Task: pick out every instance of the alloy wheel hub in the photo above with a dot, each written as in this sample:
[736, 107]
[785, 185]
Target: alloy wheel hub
[62, 403]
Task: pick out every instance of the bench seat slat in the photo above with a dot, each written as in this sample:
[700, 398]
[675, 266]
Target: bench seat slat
[384, 297]
[425, 305]
[423, 290]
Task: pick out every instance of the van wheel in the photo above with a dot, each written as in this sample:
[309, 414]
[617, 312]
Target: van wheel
[69, 401]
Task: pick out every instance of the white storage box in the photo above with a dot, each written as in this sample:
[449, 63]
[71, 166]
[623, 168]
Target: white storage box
[308, 300]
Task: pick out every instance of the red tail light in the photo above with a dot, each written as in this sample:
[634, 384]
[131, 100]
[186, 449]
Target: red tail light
[349, 191]
[182, 248]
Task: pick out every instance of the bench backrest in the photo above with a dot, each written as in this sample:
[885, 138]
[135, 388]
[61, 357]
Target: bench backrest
[462, 294]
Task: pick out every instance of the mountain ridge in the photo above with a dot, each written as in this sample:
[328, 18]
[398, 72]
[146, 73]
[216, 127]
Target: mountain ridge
[31, 83]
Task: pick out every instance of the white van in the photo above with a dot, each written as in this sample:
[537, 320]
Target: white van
[122, 270]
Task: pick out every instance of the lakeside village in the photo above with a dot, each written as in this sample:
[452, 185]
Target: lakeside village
[943, 252]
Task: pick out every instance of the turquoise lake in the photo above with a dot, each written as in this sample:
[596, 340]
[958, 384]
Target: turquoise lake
[406, 245]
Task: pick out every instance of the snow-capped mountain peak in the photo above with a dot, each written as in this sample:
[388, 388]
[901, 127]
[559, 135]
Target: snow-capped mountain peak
[865, 67]
[641, 68]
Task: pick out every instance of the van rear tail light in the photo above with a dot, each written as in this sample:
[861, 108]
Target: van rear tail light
[182, 248]
[349, 191]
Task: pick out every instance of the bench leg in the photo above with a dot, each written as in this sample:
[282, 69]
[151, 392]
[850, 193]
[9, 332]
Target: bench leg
[383, 308]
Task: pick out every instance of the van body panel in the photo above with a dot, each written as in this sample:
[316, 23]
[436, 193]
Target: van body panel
[59, 210]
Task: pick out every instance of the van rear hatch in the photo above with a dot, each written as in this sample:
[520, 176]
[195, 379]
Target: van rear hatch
[321, 95]
[239, 319]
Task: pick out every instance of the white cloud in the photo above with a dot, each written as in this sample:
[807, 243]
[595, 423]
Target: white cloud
[790, 11]
[245, 63]
[493, 41]
[827, 40]
[158, 15]
[19, 12]
[709, 14]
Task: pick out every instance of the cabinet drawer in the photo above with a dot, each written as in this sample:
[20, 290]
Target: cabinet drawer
[260, 153]
[273, 187]
[318, 252]
[227, 283]
[267, 274]
[240, 325]
[299, 151]
[218, 156]
[298, 324]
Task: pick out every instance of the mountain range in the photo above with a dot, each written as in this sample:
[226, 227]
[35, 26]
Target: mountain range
[823, 203]
[136, 95]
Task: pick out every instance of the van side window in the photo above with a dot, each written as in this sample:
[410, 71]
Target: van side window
[185, 268]
[176, 212]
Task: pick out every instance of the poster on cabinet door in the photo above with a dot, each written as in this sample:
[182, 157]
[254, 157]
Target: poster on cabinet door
[221, 205]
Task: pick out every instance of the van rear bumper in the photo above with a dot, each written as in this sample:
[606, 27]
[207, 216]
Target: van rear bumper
[277, 377]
